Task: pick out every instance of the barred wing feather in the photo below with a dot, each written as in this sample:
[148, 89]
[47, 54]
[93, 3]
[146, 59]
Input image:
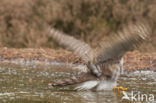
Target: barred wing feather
[79, 47]
[130, 37]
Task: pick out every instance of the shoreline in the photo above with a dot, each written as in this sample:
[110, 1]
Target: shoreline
[133, 61]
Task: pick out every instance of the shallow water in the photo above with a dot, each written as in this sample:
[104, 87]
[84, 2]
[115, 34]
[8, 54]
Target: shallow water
[29, 84]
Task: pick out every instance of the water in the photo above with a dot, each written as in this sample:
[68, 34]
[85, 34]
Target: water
[29, 84]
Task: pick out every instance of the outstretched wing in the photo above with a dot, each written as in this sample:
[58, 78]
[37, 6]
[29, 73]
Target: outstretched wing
[125, 40]
[79, 47]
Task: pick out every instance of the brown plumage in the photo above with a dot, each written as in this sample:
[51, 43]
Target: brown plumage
[104, 61]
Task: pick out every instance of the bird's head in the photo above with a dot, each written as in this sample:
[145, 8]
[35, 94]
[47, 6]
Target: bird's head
[106, 71]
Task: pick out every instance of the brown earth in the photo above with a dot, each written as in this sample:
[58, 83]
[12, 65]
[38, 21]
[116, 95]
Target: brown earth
[132, 60]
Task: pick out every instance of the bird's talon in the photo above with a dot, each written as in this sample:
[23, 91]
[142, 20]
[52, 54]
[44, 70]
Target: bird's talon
[120, 88]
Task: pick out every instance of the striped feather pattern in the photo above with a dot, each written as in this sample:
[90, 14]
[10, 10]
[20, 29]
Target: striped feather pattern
[105, 57]
[130, 37]
[79, 47]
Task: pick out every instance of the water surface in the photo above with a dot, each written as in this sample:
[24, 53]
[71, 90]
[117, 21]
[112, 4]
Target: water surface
[29, 84]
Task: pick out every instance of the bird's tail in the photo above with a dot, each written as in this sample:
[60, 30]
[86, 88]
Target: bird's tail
[73, 80]
[64, 82]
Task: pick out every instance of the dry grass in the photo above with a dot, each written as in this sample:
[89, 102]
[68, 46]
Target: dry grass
[23, 22]
[132, 60]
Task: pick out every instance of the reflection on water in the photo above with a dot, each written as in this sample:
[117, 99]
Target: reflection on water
[23, 85]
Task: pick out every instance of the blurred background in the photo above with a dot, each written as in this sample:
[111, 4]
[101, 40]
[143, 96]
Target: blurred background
[24, 23]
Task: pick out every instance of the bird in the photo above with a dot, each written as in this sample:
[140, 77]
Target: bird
[105, 62]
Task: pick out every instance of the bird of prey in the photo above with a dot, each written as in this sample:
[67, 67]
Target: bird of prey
[105, 61]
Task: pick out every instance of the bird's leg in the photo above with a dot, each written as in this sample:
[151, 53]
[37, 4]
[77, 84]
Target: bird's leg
[96, 71]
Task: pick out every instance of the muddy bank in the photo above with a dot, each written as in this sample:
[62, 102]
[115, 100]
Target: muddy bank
[132, 60]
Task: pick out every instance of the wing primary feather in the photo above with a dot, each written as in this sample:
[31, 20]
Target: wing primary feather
[131, 36]
[80, 48]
